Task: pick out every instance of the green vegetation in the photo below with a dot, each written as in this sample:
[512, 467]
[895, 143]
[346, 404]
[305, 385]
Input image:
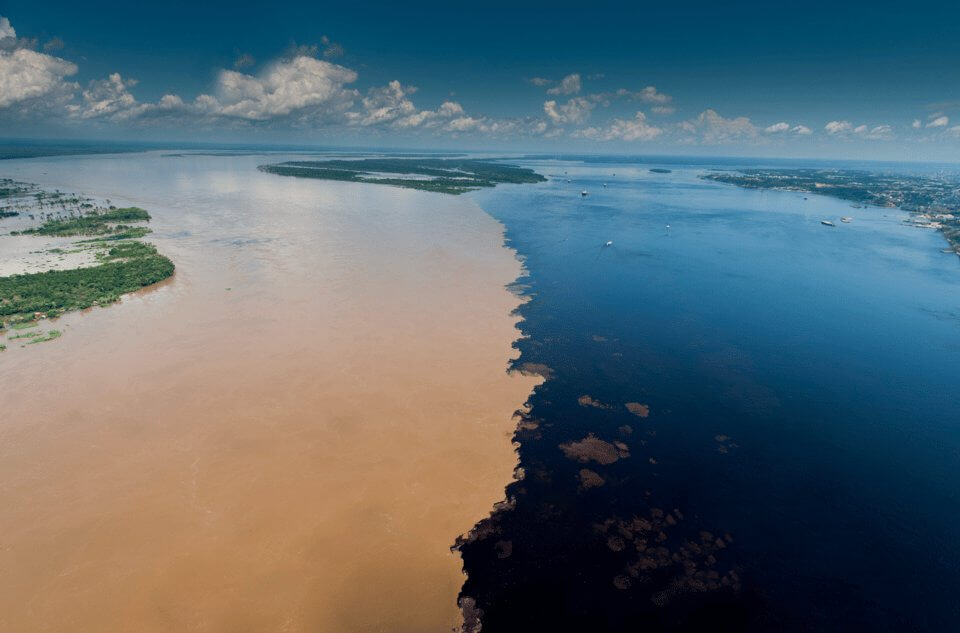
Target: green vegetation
[94, 223]
[25, 335]
[441, 175]
[49, 336]
[660, 170]
[124, 233]
[123, 264]
[126, 267]
[8, 214]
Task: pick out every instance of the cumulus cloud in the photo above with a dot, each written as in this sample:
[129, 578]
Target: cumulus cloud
[6, 29]
[540, 81]
[302, 87]
[108, 97]
[576, 110]
[877, 133]
[635, 129]
[495, 127]
[847, 129]
[569, 85]
[838, 127]
[650, 94]
[783, 127]
[710, 128]
[939, 121]
[663, 110]
[32, 81]
[391, 105]
[916, 124]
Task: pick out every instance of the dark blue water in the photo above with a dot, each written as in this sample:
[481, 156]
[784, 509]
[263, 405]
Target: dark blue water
[802, 387]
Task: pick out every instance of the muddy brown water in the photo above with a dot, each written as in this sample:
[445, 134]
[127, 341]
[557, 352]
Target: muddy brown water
[286, 436]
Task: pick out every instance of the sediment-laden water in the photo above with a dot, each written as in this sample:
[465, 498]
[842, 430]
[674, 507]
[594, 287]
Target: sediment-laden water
[288, 435]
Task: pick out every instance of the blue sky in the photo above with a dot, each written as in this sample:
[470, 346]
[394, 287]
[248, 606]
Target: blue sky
[851, 79]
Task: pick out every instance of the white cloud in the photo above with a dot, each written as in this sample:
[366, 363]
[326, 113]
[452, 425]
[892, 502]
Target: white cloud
[34, 81]
[6, 29]
[385, 105]
[845, 129]
[576, 110]
[940, 121]
[635, 129]
[569, 85]
[838, 127]
[955, 130]
[391, 105]
[650, 94]
[302, 87]
[783, 127]
[540, 81]
[878, 133]
[495, 127]
[107, 98]
[710, 128]
[916, 124]
[663, 110]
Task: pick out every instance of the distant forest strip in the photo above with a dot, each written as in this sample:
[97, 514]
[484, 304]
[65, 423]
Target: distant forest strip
[441, 175]
[91, 223]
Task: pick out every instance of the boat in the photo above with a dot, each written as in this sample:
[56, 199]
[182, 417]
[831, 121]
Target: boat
[827, 223]
[604, 185]
[846, 219]
[584, 193]
[609, 243]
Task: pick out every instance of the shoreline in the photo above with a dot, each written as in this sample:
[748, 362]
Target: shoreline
[326, 428]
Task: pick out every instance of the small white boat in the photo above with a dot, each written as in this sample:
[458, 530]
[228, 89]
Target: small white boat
[584, 193]
[827, 223]
[609, 243]
[846, 219]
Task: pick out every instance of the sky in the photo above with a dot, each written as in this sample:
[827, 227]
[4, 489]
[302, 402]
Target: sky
[838, 80]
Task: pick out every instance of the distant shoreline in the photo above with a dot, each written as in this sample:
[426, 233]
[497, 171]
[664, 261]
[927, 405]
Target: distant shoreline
[933, 203]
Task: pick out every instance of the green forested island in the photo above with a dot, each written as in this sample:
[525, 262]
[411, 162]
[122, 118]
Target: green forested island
[124, 267]
[441, 175]
[114, 261]
[934, 200]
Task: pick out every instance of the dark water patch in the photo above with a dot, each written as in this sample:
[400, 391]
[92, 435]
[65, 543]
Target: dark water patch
[753, 379]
